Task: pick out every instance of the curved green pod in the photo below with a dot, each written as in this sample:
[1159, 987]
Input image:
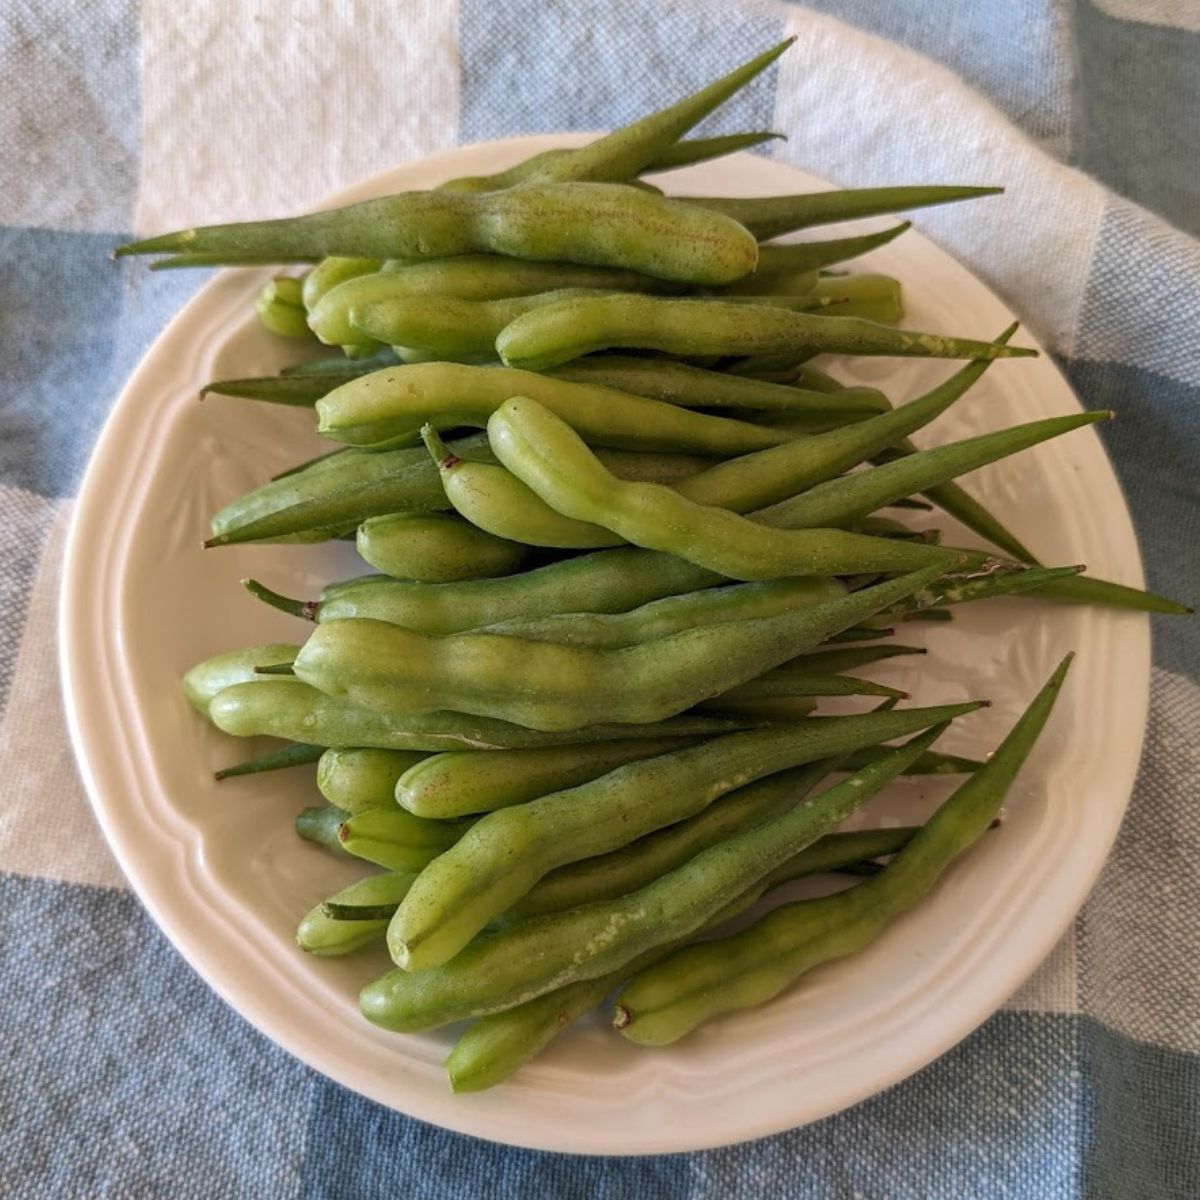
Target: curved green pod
[461, 784]
[206, 679]
[280, 309]
[673, 614]
[545, 453]
[498, 501]
[433, 328]
[395, 839]
[477, 277]
[598, 224]
[608, 581]
[330, 273]
[550, 687]
[391, 406]
[436, 548]
[493, 500]
[323, 934]
[445, 327]
[356, 779]
[289, 708]
[319, 824]
[369, 899]
[560, 332]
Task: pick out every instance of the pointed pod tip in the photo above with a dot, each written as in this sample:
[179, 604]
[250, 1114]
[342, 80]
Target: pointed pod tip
[621, 1017]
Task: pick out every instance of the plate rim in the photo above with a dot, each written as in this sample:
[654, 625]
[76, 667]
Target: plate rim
[461, 1116]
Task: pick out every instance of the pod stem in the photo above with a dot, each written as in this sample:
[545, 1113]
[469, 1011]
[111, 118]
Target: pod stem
[305, 609]
[441, 454]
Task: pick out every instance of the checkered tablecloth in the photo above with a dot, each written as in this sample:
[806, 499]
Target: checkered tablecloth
[121, 1075]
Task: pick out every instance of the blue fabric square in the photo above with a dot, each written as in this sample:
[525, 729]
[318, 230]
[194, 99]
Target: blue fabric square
[1136, 117]
[73, 325]
[130, 1076]
[1142, 1117]
[995, 1117]
[1154, 445]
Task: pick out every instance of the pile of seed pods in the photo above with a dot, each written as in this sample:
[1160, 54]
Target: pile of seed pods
[626, 537]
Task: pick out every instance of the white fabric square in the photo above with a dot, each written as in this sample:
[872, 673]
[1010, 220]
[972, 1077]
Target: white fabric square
[47, 828]
[1054, 986]
[224, 138]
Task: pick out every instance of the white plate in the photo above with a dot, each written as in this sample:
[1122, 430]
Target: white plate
[224, 876]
